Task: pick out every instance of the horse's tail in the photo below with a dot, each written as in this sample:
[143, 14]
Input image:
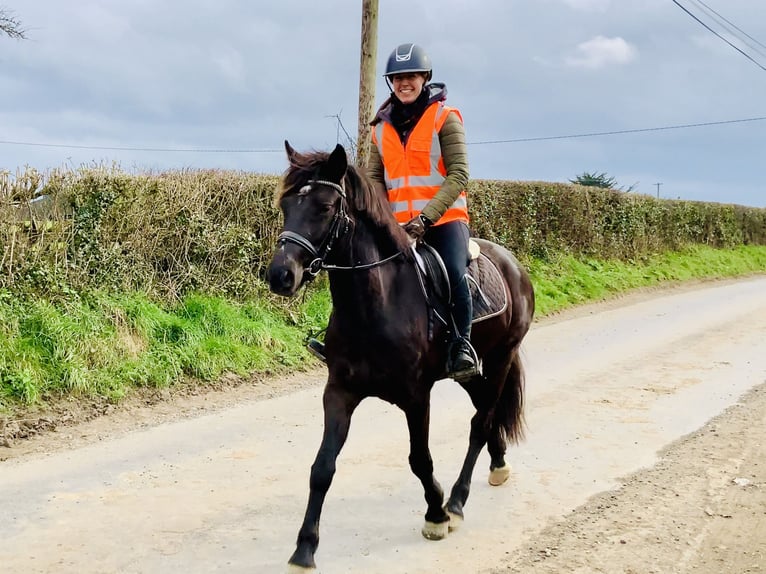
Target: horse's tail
[509, 411]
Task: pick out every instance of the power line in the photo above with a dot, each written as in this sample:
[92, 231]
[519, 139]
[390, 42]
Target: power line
[733, 25]
[633, 131]
[730, 28]
[279, 150]
[746, 55]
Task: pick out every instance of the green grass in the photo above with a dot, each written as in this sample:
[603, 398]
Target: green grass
[565, 281]
[103, 345]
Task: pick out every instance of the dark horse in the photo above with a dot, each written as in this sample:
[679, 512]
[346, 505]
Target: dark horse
[380, 341]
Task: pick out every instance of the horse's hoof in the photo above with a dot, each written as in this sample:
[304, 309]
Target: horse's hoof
[498, 476]
[455, 520]
[435, 531]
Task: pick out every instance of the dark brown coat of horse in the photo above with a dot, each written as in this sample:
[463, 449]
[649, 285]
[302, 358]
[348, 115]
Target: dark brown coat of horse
[379, 341]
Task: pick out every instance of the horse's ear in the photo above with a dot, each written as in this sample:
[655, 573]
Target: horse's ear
[337, 164]
[291, 153]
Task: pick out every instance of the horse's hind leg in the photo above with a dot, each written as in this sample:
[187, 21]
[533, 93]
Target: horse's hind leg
[338, 407]
[499, 470]
[498, 401]
[436, 521]
[508, 422]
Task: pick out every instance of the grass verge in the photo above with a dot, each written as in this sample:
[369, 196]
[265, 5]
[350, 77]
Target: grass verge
[565, 281]
[104, 345]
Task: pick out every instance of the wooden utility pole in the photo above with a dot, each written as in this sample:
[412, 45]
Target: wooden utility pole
[369, 54]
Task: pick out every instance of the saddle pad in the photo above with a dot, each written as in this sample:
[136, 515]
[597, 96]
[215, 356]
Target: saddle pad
[487, 289]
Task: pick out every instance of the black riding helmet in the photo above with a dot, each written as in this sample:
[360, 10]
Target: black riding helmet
[408, 58]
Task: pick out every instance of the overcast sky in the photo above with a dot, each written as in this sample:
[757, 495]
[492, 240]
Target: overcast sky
[243, 76]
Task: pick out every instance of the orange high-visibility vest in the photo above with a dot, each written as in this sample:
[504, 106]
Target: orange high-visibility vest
[414, 172]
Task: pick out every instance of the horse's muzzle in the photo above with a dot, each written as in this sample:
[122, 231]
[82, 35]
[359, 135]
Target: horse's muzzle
[283, 278]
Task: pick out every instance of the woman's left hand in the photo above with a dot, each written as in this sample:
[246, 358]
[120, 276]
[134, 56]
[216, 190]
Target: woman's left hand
[417, 226]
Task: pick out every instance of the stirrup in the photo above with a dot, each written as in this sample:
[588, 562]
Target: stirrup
[316, 348]
[464, 375]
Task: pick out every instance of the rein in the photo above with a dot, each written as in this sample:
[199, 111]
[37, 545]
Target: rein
[338, 228]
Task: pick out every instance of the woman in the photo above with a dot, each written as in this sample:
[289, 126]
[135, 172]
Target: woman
[418, 158]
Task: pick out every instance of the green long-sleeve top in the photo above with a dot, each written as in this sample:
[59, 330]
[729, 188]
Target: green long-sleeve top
[455, 156]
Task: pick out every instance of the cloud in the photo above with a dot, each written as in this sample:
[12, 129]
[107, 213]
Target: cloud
[588, 5]
[233, 75]
[231, 66]
[600, 51]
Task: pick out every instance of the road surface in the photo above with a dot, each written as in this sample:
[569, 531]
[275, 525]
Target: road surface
[225, 492]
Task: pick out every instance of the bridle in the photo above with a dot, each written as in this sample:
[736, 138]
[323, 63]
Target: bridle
[339, 226]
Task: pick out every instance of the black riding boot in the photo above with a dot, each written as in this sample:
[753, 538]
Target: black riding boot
[463, 362]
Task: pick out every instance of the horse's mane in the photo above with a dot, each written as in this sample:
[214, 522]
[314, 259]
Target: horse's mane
[364, 200]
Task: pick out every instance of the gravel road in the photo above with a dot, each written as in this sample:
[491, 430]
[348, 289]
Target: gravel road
[644, 453]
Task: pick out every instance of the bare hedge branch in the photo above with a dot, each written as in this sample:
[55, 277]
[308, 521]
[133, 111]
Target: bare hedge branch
[10, 26]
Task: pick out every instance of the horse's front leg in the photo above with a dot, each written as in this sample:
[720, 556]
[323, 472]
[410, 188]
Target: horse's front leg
[338, 407]
[437, 521]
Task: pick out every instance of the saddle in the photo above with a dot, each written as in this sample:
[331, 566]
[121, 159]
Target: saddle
[485, 283]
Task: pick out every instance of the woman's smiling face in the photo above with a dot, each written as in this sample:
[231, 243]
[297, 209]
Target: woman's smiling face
[407, 87]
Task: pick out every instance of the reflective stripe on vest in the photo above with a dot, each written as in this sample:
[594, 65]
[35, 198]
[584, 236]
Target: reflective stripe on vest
[414, 173]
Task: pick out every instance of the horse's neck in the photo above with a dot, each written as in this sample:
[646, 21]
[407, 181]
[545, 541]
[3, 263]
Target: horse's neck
[378, 291]
[376, 287]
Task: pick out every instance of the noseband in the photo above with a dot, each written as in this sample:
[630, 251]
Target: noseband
[338, 228]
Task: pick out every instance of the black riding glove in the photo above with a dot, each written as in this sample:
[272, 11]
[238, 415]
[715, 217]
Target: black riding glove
[417, 226]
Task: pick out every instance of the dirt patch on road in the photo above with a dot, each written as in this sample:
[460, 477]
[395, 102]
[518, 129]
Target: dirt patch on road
[701, 509]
